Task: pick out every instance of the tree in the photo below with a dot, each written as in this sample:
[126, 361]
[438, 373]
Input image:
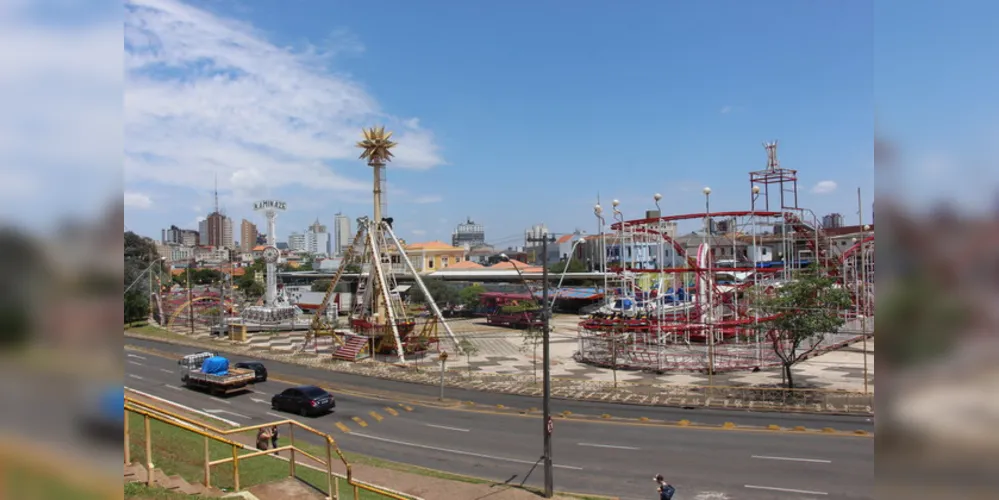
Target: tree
[140, 256]
[321, 285]
[441, 291]
[804, 311]
[469, 349]
[568, 266]
[352, 269]
[469, 296]
[252, 290]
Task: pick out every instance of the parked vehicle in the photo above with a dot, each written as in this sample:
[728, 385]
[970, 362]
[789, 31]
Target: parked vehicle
[211, 372]
[257, 367]
[305, 400]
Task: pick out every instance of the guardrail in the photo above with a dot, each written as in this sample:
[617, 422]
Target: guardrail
[210, 433]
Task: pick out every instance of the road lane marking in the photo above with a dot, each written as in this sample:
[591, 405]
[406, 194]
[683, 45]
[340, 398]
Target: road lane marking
[343, 427]
[406, 407]
[135, 376]
[282, 417]
[446, 428]
[136, 363]
[460, 452]
[376, 416]
[785, 490]
[612, 446]
[221, 400]
[136, 356]
[261, 401]
[174, 387]
[237, 415]
[391, 411]
[182, 407]
[164, 370]
[791, 459]
[360, 422]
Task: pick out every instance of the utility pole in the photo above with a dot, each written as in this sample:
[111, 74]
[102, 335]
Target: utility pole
[545, 239]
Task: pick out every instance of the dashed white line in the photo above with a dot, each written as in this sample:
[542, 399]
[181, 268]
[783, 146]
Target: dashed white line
[164, 370]
[457, 452]
[786, 490]
[221, 400]
[135, 363]
[446, 428]
[261, 401]
[135, 376]
[612, 446]
[174, 387]
[238, 415]
[135, 356]
[791, 459]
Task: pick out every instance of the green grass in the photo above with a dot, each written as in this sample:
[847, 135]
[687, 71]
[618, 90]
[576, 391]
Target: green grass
[181, 452]
[139, 491]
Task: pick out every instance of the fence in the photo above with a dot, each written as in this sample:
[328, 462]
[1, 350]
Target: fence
[150, 412]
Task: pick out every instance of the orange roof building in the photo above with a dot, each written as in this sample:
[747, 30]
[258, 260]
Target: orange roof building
[434, 255]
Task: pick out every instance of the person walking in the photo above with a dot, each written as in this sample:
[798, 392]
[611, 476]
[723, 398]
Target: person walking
[664, 489]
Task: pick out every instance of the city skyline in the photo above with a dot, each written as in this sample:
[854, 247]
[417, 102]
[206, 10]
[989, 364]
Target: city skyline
[463, 148]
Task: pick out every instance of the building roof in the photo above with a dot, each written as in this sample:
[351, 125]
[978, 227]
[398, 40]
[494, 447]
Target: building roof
[466, 265]
[259, 248]
[438, 246]
[510, 264]
[565, 238]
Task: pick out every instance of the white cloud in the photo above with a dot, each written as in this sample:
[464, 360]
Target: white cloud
[824, 187]
[725, 110]
[207, 95]
[425, 199]
[137, 201]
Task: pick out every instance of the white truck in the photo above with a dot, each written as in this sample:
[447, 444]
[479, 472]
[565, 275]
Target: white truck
[211, 372]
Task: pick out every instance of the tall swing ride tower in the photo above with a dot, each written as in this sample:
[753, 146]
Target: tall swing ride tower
[378, 312]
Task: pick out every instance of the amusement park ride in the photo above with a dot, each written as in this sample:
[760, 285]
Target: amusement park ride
[689, 312]
[379, 319]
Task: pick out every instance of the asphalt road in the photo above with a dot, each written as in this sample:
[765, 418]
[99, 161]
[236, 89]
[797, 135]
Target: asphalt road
[698, 415]
[590, 457]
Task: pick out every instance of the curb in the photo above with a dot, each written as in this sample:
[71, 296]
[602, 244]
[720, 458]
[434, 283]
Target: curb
[604, 397]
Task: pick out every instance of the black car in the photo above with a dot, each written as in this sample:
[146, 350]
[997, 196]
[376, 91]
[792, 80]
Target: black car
[305, 400]
[257, 367]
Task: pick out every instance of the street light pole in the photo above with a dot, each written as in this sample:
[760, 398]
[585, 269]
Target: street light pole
[708, 282]
[756, 282]
[599, 212]
[545, 239]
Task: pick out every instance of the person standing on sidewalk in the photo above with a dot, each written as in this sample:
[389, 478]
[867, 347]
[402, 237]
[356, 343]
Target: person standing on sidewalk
[274, 437]
[262, 438]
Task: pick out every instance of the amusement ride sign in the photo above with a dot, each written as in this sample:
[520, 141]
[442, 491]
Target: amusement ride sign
[269, 205]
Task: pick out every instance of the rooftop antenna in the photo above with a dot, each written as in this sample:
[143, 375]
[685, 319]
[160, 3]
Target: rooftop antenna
[772, 162]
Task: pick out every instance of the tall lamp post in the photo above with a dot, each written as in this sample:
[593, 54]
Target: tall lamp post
[546, 376]
[756, 282]
[598, 211]
[708, 281]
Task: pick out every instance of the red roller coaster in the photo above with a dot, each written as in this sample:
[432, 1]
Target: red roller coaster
[683, 304]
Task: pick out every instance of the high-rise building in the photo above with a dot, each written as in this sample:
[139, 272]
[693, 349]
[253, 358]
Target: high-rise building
[177, 236]
[832, 221]
[216, 231]
[341, 233]
[296, 242]
[247, 235]
[317, 239]
[468, 233]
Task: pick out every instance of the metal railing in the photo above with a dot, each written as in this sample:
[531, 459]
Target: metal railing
[210, 433]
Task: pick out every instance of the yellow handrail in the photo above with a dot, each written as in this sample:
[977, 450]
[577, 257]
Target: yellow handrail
[212, 432]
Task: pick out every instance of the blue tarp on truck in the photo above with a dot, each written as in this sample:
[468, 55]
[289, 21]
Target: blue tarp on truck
[215, 365]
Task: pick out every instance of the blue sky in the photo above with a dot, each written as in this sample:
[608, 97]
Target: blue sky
[511, 113]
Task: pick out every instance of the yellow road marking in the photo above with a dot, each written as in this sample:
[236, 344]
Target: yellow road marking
[360, 422]
[375, 415]
[391, 411]
[343, 427]
[406, 407]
